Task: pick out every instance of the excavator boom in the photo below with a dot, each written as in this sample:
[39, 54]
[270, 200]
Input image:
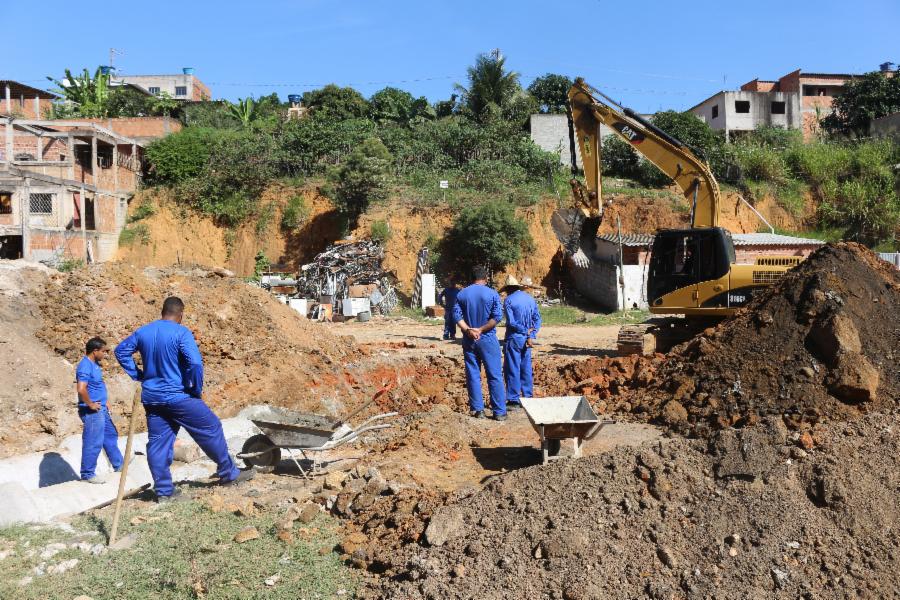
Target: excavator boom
[591, 109]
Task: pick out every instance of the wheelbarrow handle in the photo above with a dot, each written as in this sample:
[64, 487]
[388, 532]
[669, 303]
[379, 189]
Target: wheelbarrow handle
[377, 395]
[596, 429]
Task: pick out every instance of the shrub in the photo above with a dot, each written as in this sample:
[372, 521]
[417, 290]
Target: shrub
[380, 231]
[295, 212]
[139, 233]
[144, 210]
[182, 156]
[489, 234]
[336, 102]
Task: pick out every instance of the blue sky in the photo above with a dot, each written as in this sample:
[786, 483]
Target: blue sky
[651, 55]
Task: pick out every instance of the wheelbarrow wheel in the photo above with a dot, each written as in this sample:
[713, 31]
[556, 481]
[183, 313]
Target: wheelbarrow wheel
[269, 454]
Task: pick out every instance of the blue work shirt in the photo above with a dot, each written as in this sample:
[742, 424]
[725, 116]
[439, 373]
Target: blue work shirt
[90, 373]
[447, 298]
[478, 304]
[172, 365]
[522, 314]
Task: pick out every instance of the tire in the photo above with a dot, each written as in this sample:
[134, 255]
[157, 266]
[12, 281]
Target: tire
[261, 443]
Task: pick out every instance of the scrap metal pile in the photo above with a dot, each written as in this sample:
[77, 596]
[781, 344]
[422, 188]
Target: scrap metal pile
[342, 266]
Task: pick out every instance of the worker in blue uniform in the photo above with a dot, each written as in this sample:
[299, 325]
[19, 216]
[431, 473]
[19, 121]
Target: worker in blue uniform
[523, 321]
[447, 299]
[477, 312]
[172, 388]
[99, 432]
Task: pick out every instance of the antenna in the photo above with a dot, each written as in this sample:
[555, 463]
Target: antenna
[113, 52]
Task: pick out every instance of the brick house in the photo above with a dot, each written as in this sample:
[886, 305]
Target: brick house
[797, 100]
[600, 281]
[64, 188]
[24, 101]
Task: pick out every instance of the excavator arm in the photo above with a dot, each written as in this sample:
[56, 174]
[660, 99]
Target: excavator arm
[590, 109]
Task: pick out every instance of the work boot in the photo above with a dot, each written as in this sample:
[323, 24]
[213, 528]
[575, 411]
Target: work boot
[497, 417]
[513, 406]
[477, 414]
[241, 478]
[97, 480]
[176, 496]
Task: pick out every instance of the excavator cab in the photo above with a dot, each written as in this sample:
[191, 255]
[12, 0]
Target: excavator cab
[682, 258]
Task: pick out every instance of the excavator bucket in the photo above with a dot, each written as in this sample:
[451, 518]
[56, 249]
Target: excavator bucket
[573, 229]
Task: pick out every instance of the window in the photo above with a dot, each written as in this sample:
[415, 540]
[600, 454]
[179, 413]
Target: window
[742, 106]
[5, 203]
[89, 222]
[181, 90]
[40, 204]
[153, 90]
[715, 111]
[777, 108]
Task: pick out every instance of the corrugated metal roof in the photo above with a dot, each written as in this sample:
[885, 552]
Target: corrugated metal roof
[42, 93]
[740, 239]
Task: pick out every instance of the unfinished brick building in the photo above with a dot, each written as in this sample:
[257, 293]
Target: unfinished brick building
[64, 188]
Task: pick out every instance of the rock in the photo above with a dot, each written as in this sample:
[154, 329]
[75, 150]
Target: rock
[444, 526]
[308, 513]
[284, 525]
[780, 577]
[805, 441]
[854, 379]
[222, 272]
[458, 570]
[302, 496]
[216, 503]
[352, 542]
[82, 598]
[835, 335]
[285, 536]
[187, 452]
[807, 372]
[246, 534]
[666, 556]
[60, 568]
[124, 542]
[674, 412]
[272, 580]
[334, 480]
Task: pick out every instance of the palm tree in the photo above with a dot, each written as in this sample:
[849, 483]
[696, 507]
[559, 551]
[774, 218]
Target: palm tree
[89, 95]
[244, 111]
[489, 83]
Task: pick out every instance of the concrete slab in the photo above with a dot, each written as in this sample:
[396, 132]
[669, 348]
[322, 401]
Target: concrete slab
[44, 486]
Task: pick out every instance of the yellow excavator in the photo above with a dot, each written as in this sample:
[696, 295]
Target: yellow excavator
[692, 272]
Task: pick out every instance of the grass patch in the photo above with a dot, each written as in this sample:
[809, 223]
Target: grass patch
[295, 212]
[139, 233]
[189, 553]
[144, 210]
[69, 264]
[569, 315]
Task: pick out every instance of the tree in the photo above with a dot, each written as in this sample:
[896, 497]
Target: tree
[551, 92]
[871, 96]
[490, 84]
[391, 105]
[488, 234]
[163, 105]
[362, 178]
[90, 95]
[244, 110]
[336, 102]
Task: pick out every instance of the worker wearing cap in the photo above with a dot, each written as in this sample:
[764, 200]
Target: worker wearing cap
[523, 321]
[447, 299]
[172, 388]
[477, 312]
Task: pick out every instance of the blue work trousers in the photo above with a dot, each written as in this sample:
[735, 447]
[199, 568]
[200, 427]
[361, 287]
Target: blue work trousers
[486, 351]
[449, 325]
[517, 368]
[99, 433]
[163, 423]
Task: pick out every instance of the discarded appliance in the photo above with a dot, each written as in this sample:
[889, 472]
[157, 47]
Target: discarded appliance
[562, 417]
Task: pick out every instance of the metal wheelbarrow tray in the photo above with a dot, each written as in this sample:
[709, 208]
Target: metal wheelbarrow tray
[558, 418]
[284, 429]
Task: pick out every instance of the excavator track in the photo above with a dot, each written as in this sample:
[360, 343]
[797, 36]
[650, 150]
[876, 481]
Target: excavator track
[636, 339]
[661, 335]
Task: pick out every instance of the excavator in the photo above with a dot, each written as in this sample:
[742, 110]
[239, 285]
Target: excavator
[692, 272]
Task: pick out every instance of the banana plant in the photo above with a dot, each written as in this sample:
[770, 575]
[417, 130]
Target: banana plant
[89, 95]
[244, 110]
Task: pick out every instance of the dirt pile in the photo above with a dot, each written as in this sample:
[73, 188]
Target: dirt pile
[748, 514]
[604, 381]
[822, 344]
[256, 350]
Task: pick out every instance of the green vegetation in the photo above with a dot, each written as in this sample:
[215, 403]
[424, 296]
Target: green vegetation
[551, 92]
[132, 234]
[261, 265]
[69, 264]
[185, 551]
[362, 178]
[871, 96]
[569, 315]
[144, 210]
[380, 231]
[295, 212]
[487, 234]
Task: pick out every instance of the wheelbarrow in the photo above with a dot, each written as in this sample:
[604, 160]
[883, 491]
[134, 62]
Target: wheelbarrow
[562, 417]
[307, 434]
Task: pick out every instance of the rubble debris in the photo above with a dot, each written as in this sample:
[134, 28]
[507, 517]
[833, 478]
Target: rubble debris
[352, 267]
